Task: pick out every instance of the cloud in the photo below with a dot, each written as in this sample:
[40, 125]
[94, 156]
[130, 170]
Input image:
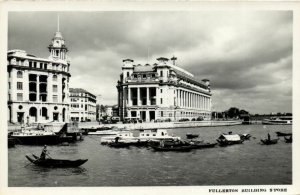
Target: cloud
[247, 55]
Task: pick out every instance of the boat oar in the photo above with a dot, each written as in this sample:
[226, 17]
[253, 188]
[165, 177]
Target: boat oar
[48, 155]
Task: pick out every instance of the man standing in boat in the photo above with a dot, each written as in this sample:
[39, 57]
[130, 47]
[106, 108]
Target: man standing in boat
[44, 153]
[269, 137]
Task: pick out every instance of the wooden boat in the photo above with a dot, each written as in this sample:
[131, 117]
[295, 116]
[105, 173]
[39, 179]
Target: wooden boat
[118, 144]
[269, 141]
[245, 136]
[289, 139]
[229, 139]
[35, 137]
[203, 145]
[59, 163]
[282, 120]
[11, 142]
[283, 134]
[191, 136]
[173, 148]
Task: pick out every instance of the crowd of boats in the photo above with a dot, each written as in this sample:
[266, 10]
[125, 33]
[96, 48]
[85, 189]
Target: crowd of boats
[160, 140]
[157, 139]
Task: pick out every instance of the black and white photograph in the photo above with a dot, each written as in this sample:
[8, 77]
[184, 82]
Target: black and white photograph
[147, 98]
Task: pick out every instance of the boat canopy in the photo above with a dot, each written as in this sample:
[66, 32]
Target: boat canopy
[234, 137]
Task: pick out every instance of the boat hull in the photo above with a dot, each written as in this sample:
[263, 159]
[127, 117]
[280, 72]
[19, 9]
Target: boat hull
[228, 143]
[58, 163]
[37, 140]
[269, 142]
[283, 134]
[203, 145]
[174, 148]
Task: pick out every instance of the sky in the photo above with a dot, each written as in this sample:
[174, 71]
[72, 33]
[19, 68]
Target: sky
[246, 55]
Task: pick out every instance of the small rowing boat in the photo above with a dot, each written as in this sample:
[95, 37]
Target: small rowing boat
[191, 136]
[173, 148]
[58, 163]
[282, 134]
[269, 141]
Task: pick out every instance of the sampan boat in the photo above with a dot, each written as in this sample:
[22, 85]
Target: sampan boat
[173, 148]
[59, 163]
[203, 145]
[191, 136]
[269, 141]
[283, 134]
[288, 139]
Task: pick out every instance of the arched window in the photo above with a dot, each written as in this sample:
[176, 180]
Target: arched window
[20, 74]
[54, 77]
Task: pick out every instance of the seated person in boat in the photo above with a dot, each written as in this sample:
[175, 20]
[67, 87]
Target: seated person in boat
[44, 153]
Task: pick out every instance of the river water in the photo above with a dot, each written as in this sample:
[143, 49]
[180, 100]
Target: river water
[249, 163]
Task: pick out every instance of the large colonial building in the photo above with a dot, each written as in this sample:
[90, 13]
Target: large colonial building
[162, 91]
[38, 88]
[83, 105]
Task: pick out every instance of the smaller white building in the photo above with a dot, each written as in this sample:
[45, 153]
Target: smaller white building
[82, 105]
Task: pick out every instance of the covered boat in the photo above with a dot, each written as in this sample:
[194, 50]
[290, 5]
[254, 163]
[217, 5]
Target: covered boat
[49, 162]
[229, 139]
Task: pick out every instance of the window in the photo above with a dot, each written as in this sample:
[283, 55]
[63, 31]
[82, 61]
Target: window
[144, 76]
[161, 113]
[54, 78]
[19, 85]
[161, 100]
[19, 97]
[55, 99]
[30, 64]
[134, 76]
[161, 73]
[19, 74]
[161, 90]
[8, 85]
[127, 74]
[153, 75]
[54, 88]
[34, 64]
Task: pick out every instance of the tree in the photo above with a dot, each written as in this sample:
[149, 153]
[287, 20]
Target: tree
[233, 112]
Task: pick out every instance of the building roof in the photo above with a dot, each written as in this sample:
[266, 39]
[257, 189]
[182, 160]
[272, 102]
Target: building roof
[146, 68]
[79, 90]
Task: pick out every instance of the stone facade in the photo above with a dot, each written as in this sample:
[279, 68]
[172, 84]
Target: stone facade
[162, 91]
[38, 88]
[83, 105]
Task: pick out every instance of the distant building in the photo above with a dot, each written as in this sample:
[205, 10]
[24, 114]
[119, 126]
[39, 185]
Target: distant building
[38, 87]
[162, 91]
[83, 105]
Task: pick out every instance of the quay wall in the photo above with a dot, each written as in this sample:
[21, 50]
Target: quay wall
[164, 125]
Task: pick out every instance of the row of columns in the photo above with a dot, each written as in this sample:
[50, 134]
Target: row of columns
[139, 103]
[188, 99]
[61, 54]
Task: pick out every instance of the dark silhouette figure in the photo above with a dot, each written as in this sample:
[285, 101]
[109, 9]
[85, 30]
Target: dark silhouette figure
[269, 137]
[117, 139]
[43, 154]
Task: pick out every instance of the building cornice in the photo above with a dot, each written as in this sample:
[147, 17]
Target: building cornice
[9, 67]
